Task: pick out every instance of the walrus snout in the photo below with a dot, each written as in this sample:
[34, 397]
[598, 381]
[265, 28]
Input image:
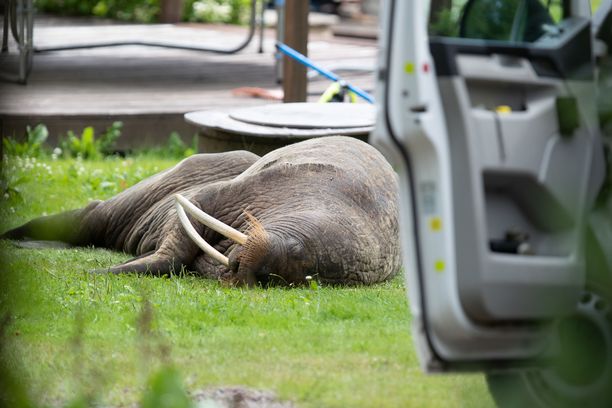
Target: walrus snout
[234, 259]
[248, 268]
[239, 276]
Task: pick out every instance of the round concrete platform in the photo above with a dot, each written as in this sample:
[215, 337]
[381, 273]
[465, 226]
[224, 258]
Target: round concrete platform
[262, 129]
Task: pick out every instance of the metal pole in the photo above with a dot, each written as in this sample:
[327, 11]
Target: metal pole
[262, 25]
[279, 5]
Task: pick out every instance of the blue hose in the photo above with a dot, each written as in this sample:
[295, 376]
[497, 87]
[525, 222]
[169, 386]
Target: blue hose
[304, 60]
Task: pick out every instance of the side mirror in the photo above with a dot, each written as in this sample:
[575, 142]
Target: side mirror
[511, 21]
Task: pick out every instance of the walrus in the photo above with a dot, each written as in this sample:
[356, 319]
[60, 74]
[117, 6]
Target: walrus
[322, 209]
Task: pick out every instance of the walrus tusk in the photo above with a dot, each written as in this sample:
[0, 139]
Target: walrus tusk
[193, 234]
[211, 222]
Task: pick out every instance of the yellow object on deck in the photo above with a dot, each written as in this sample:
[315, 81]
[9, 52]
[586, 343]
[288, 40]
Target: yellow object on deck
[337, 92]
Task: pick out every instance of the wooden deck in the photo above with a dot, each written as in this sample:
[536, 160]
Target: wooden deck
[150, 88]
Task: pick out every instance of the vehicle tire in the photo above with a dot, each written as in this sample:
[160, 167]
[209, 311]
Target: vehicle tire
[582, 375]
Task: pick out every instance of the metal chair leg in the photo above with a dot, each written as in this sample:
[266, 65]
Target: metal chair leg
[24, 16]
[5, 26]
[13, 18]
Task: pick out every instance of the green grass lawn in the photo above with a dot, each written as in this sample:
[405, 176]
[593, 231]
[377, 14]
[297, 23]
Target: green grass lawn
[73, 333]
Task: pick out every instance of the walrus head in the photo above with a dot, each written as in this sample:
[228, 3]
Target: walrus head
[277, 252]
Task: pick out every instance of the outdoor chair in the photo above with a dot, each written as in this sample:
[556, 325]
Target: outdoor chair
[19, 21]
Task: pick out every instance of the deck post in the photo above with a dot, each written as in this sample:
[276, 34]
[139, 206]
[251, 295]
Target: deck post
[171, 11]
[295, 36]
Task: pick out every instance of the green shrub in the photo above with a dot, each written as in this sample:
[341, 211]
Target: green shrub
[165, 389]
[87, 146]
[177, 148]
[144, 11]
[31, 147]
[147, 11]
[11, 184]
[174, 148]
[217, 11]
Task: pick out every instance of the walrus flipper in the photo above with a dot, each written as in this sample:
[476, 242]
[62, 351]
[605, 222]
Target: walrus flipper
[150, 263]
[34, 244]
[65, 227]
[175, 251]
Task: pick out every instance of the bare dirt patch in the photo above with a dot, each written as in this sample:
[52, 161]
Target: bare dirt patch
[238, 397]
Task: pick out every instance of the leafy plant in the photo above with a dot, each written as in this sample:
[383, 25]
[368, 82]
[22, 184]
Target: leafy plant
[217, 11]
[147, 11]
[83, 146]
[224, 11]
[109, 137]
[13, 391]
[177, 148]
[32, 146]
[87, 146]
[143, 11]
[166, 390]
[174, 148]
[10, 184]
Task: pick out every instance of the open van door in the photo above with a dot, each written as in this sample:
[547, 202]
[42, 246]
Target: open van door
[492, 123]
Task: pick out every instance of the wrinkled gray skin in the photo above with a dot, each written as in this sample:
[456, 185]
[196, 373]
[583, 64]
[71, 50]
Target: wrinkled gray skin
[328, 208]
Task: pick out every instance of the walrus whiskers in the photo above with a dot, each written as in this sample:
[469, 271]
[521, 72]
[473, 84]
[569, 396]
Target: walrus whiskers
[258, 242]
[193, 234]
[211, 222]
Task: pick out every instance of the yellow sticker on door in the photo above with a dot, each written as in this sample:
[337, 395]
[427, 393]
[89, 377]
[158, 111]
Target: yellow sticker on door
[409, 67]
[435, 223]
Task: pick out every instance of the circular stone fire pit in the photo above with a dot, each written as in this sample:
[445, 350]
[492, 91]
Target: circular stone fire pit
[262, 129]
